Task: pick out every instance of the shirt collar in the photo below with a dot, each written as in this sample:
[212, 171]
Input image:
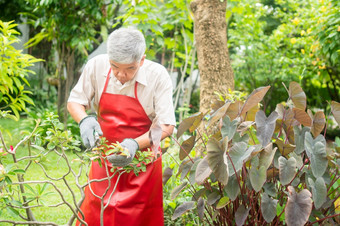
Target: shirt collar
[141, 76]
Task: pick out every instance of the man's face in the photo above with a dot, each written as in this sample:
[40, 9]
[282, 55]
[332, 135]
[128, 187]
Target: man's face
[126, 72]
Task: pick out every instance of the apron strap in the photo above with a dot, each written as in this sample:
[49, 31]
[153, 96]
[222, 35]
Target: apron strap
[107, 80]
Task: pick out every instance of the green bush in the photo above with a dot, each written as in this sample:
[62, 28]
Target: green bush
[14, 68]
[252, 169]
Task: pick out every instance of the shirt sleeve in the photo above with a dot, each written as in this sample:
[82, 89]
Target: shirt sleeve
[164, 108]
[84, 90]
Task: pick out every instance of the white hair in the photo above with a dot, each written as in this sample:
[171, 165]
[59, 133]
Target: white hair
[126, 45]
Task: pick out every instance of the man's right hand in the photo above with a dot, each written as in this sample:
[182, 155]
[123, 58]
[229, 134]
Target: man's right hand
[89, 126]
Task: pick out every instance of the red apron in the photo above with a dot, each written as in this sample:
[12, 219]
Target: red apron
[137, 200]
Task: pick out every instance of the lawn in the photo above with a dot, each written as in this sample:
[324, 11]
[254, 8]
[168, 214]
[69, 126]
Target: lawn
[54, 166]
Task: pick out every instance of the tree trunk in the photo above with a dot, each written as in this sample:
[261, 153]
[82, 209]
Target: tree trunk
[210, 30]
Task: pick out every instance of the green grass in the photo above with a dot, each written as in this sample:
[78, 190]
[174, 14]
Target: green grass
[54, 166]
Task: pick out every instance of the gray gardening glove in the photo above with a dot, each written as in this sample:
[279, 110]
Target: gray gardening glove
[89, 131]
[120, 161]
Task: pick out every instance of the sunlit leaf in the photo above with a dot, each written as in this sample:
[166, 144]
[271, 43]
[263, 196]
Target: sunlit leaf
[254, 98]
[234, 109]
[298, 207]
[222, 202]
[217, 104]
[335, 109]
[232, 189]
[228, 127]
[177, 190]
[299, 136]
[287, 169]
[267, 155]
[166, 175]
[258, 177]
[285, 149]
[183, 208]
[186, 147]
[297, 95]
[203, 171]
[217, 115]
[191, 123]
[241, 215]
[302, 117]
[316, 152]
[318, 122]
[265, 126]
[155, 135]
[319, 191]
[268, 208]
[217, 160]
[250, 115]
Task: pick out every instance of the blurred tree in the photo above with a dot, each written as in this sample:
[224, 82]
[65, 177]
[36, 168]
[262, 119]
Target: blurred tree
[216, 74]
[282, 41]
[72, 27]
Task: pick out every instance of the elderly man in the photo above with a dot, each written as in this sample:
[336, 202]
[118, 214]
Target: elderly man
[128, 92]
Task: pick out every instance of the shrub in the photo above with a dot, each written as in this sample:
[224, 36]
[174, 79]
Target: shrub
[252, 169]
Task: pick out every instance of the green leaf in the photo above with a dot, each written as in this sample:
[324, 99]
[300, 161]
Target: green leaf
[213, 197]
[319, 191]
[183, 208]
[335, 109]
[228, 128]
[258, 177]
[254, 98]
[166, 175]
[297, 95]
[203, 171]
[217, 160]
[232, 189]
[241, 215]
[238, 153]
[222, 202]
[265, 126]
[270, 189]
[268, 208]
[267, 155]
[316, 152]
[190, 123]
[287, 169]
[298, 207]
[13, 212]
[177, 190]
[218, 114]
[299, 136]
[200, 208]
[186, 147]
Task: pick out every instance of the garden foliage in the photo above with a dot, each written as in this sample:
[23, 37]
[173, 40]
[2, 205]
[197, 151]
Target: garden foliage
[14, 70]
[255, 169]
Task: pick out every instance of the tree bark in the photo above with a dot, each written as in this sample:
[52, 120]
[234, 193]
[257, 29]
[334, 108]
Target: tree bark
[210, 30]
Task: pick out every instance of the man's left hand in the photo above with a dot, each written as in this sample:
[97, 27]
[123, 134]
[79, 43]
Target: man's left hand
[120, 161]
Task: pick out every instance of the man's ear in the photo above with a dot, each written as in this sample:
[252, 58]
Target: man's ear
[142, 60]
